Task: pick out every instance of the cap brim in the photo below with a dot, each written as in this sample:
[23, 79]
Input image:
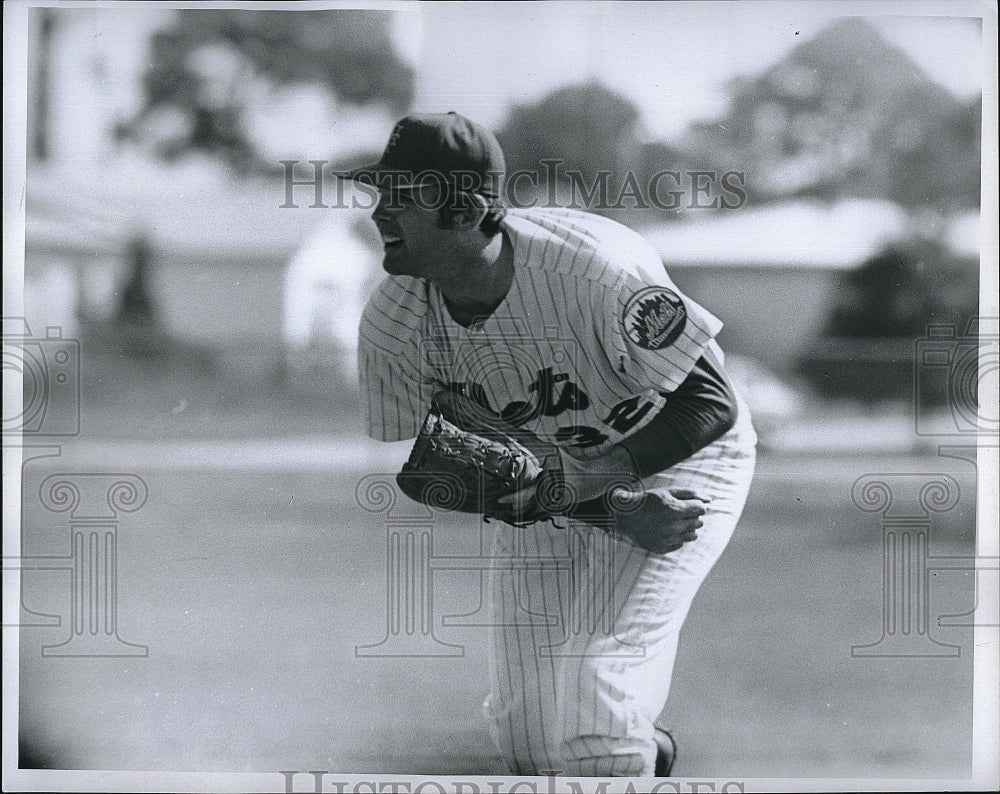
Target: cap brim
[394, 179]
[365, 174]
[377, 176]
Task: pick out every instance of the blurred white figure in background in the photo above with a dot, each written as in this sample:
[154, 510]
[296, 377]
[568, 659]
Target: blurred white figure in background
[326, 285]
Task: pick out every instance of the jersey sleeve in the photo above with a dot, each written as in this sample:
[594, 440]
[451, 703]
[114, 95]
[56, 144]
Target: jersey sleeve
[395, 390]
[394, 401]
[653, 334]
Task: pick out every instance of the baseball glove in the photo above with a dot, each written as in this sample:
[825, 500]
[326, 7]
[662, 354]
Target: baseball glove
[466, 457]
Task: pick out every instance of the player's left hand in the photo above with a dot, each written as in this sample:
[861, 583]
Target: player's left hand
[520, 502]
[468, 458]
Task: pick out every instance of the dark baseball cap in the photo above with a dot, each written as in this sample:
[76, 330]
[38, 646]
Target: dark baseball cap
[436, 148]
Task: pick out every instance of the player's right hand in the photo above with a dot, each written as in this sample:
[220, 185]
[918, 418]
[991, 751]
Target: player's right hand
[660, 521]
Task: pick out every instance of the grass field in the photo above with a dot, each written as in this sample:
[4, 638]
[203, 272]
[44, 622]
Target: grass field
[252, 587]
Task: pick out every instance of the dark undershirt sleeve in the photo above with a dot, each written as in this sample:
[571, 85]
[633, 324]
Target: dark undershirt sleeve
[702, 409]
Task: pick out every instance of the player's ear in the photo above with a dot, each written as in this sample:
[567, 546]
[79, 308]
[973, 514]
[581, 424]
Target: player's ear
[469, 211]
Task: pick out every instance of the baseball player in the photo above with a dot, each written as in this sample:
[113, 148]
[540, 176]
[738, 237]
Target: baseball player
[565, 324]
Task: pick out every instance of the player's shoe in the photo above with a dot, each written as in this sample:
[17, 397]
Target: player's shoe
[666, 753]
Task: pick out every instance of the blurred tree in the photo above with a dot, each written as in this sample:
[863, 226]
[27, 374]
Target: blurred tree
[205, 69]
[588, 127]
[904, 288]
[134, 329]
[944, 168]
[886, 296]
[601, 162]
[656, 157]
[136, 305]
[847, 114]
[882, 308]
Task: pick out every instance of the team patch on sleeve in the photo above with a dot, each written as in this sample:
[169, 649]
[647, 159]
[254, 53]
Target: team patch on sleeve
[654, 317]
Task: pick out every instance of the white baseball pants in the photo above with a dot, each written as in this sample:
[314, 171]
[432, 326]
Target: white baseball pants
[586, 629]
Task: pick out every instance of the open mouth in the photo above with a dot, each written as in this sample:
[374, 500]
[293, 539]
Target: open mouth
[391, 241]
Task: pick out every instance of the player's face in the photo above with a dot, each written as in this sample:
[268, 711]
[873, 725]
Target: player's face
[415, 244]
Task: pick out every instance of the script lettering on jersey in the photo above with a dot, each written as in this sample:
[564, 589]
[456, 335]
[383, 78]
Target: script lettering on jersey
[554, 394]
[546, 401]
[628, 413]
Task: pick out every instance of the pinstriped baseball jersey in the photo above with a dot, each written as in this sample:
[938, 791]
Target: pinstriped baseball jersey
[590, 333]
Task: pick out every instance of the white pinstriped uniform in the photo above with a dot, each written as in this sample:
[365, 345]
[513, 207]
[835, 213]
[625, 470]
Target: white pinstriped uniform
[584, 638]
